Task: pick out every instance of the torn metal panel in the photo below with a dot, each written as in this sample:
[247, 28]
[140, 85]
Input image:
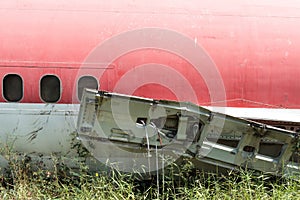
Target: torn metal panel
[132, 132]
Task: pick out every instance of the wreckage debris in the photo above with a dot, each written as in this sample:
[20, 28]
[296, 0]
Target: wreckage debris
[138, 134]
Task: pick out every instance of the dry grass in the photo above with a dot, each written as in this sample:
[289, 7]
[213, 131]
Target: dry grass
[23, 183]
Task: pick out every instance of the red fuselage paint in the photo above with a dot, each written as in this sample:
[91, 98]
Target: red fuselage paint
[254, 45]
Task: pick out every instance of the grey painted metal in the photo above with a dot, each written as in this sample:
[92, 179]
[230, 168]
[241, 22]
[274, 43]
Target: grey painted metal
[125, 131]
[43, 133]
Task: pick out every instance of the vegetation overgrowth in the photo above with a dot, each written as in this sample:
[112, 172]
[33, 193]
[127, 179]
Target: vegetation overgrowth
[178, 182]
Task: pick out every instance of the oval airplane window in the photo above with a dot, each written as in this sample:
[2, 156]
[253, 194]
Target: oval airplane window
[86, 82]
[13, 87]
[50, 88]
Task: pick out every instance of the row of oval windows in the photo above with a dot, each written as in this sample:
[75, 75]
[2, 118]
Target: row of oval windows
[50, 87]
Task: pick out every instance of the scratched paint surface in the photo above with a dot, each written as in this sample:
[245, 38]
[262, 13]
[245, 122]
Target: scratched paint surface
[43, 128]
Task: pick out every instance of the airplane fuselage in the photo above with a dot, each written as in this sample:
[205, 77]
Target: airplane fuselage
[239, 57]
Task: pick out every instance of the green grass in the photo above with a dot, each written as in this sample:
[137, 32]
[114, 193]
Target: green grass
[186, 183]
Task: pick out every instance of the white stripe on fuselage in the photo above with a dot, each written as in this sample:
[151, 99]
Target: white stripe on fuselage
[270, 114]
[38, 127]
[47, 128]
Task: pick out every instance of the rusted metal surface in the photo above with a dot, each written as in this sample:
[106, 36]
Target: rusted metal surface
[133, 132]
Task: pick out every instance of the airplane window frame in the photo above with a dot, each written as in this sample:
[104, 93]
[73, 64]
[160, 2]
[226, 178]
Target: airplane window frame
[4, 95]
[41, 88]
[78, 82]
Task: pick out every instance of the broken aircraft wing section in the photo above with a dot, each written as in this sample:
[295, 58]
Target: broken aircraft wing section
[139, 135]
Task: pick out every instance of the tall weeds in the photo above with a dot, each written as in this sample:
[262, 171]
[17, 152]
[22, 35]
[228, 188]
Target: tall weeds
[178, 182]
